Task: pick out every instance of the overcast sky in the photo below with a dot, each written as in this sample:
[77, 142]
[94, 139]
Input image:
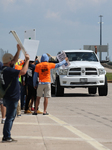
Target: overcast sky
[59, 24]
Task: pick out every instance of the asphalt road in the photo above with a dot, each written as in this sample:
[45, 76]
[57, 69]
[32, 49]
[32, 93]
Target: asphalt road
[87, 116]
[77, 121]
[108, 70]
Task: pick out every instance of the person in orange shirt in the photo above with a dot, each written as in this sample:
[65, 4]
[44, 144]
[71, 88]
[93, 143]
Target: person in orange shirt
[42, 70]
[19, 67]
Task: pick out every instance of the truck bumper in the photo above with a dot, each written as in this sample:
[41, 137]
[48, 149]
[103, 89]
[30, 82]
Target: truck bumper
[96, 81]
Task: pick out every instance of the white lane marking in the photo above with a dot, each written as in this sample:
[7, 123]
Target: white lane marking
[45, 137]
[29, 123]
[77, 132]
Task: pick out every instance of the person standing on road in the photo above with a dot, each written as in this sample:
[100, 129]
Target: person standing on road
[11, 97]
[3, 108]
[19, 67]
[36, 60]
[31, 90]
[42, 70]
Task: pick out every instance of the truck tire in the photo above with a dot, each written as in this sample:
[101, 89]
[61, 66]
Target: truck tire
[103, 90]
[92, 90]
[59, 90]
[52, 89]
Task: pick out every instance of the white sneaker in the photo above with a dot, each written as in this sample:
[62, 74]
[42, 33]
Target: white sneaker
[2, 121]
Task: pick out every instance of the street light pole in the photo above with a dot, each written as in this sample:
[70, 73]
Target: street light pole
[100, 35]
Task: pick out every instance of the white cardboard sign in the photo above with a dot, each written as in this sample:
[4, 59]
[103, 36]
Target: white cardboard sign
[31, 47]
[18, 41]
[61, 57]
[30, 34]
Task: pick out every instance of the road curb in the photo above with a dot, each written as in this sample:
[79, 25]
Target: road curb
[109, 81]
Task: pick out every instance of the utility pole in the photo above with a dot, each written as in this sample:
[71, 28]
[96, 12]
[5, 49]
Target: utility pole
[100, 36]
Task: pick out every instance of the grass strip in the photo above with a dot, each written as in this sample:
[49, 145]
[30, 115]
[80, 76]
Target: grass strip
[109, 76]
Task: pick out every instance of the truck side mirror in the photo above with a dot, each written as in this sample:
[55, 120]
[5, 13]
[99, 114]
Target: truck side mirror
[54, 61]
[104, 61]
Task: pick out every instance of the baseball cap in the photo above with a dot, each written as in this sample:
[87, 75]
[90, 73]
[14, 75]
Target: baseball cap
[7, 57]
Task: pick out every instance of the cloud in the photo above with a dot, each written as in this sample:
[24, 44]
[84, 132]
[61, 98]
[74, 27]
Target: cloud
[5, 3]
[8, 1]
[52, 15]
[12, 5]
[75, 5]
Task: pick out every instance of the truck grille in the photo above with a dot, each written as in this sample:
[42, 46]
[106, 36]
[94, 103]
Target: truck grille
[80, 83]
[82, 71]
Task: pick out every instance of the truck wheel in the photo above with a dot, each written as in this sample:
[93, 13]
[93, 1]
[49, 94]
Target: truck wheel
[52, 89]
[103, 90]
[92, 90]
[59, 91]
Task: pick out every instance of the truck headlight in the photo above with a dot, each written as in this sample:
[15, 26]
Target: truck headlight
[101, 71]
[63, 71]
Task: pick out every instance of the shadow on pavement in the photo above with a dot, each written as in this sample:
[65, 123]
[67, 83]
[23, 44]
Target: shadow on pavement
[77, 95]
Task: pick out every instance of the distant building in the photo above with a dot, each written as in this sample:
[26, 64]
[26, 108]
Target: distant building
[2, 52]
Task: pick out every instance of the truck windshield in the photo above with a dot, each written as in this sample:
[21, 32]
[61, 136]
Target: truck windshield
[81, 56]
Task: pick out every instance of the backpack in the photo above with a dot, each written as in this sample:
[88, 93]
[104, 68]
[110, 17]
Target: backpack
[2, 91]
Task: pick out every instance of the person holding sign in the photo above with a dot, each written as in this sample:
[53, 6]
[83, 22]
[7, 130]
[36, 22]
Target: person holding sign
[42, 70]
[3, 108]
[10, 100]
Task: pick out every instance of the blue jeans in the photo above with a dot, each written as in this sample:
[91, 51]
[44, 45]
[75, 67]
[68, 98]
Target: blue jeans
[11, 107]
[23, 93]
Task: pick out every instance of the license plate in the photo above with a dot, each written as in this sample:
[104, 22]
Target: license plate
[83, 79]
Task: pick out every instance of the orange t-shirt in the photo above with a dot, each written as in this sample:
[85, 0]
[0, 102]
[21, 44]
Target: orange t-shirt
[17, 67]
[43, 69]
[21, 62]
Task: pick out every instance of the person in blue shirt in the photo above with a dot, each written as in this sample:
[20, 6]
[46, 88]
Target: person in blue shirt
[10, 100]
[3, 108]
[31, 91]
[36, 60]
[42, 70]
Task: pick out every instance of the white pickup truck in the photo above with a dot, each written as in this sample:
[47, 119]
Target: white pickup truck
[85, 71]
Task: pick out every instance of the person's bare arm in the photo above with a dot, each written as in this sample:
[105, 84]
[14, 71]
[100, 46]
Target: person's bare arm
[61, 63]
[25, 67]
[95, 49]
[15, 59]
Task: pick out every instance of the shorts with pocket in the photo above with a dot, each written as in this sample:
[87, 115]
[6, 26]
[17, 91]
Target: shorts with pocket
[44, 88]
[1, 101]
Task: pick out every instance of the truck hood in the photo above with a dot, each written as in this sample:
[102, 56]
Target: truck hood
[85, 64]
